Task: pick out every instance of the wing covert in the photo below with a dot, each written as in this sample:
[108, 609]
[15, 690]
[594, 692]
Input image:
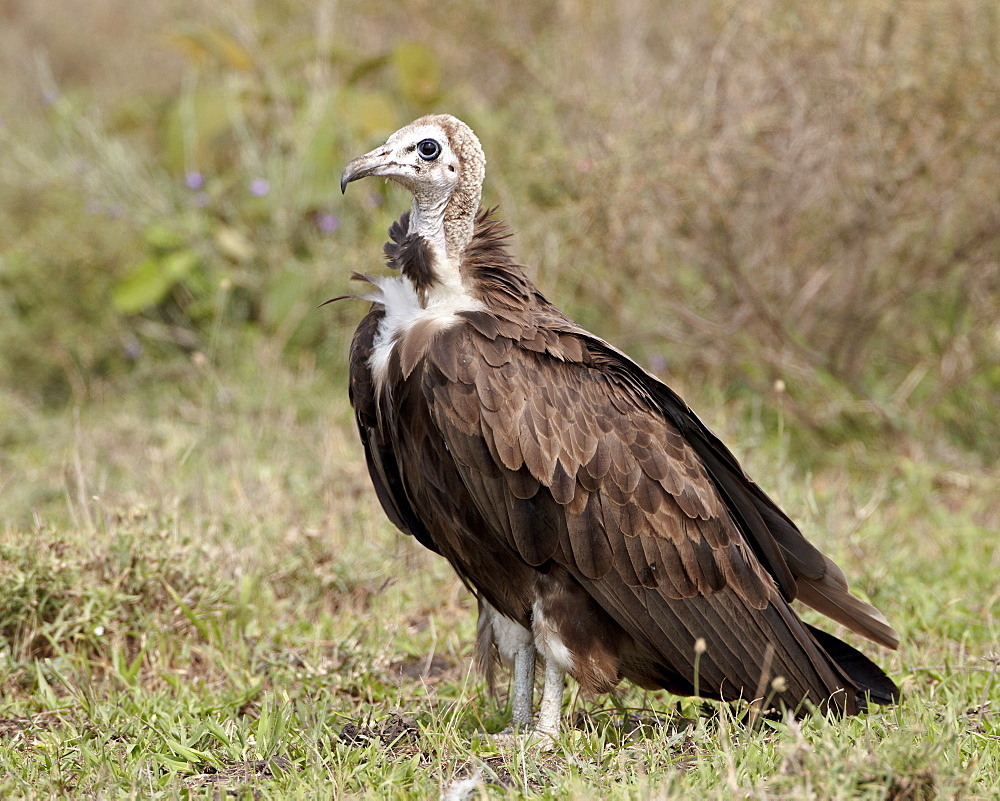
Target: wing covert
[576, 469]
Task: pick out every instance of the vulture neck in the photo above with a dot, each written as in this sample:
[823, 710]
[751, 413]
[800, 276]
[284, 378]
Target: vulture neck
[445, 223]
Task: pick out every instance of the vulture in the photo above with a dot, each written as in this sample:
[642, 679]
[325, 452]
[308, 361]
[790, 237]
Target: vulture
[604, 530]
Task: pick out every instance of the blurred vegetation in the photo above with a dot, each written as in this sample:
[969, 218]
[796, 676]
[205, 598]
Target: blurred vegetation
[789, 210]
[777, 198]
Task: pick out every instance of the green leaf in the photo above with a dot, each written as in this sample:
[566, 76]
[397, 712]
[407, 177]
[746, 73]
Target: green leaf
[270, 726]
[150, 282]
[171, 764]
[127, 671]
[44, 689]
[163, 237]
[178, 265]
[189, 613]
[190, 755]
[213, 728]
[143, 287]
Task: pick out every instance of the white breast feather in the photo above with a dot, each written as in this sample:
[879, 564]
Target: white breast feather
[403, 308]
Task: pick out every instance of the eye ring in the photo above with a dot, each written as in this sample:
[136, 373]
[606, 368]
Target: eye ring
[428, 149]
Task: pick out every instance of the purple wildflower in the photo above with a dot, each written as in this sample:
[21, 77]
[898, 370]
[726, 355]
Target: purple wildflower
[326, 222]
[259, 187]
[194, 180]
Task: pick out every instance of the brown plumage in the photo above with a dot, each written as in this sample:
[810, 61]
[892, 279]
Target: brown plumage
[598, 520]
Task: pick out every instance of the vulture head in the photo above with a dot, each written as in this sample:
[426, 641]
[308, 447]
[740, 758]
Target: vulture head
[440, 161]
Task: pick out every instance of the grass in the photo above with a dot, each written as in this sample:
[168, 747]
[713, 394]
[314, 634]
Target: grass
[201, 596]
[212, 600]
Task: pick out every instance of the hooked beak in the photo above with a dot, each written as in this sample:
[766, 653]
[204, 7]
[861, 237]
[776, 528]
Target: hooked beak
[377, 162]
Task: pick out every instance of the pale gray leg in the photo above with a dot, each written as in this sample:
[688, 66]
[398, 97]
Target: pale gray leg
[544, 732]
[516, 648]
[522, 687]
[550, 712]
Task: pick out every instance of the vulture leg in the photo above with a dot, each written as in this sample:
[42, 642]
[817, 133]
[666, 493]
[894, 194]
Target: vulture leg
[523, 687]
[550, 712]
[516, 648]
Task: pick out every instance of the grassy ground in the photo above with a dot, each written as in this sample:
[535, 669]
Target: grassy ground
[212, 599]
[200, 595]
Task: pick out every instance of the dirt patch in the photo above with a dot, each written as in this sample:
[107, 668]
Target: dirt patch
[919, 786]
[398, 734]
[26, 730]
[631, 725]
[430, 671]
[236, 777]
[493, 770]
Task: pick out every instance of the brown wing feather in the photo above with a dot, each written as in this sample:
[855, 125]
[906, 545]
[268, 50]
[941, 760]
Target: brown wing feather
[545, 465]
[523, 426]
[671, 568]
[800, 569]
[797, 566]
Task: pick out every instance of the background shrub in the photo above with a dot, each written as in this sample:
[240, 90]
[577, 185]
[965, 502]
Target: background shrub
[775, 199]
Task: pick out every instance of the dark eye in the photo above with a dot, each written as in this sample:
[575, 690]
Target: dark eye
[429, 150]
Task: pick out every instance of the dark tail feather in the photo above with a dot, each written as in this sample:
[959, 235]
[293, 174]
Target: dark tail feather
[868, 677]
